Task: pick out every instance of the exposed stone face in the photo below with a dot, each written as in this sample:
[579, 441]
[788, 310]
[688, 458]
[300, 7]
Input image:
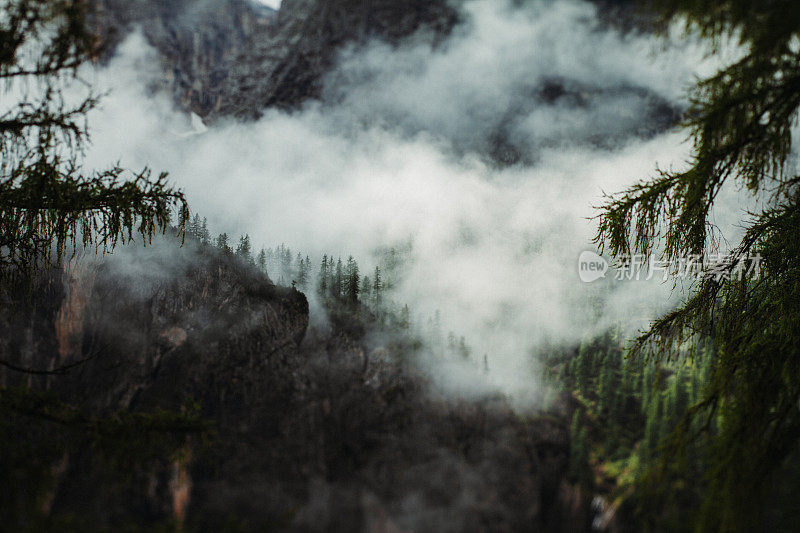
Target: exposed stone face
[283, 69]
[237, 57]
[198, 41]
[312, 431]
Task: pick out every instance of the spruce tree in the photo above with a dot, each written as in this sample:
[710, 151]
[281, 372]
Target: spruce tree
[302, 273]
[261, 261]
[377, 288]
[222, 244]
[338, 281]
[244, 250]
[285, 259]
[366, 289]
[740, 120]
[322, 279]
[194, 226]
[49, 204]
[352, 282]
[463, 350]
[205, 235]
[405, 318]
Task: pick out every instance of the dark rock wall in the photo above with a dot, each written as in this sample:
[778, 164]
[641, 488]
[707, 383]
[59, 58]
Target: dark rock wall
[198, 41]
[284, 69]
[236, 57]
[311, 430]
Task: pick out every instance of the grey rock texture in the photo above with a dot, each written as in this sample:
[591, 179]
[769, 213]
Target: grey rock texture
[198, 41]
[284, 69]
[237, 57]
[311, 430]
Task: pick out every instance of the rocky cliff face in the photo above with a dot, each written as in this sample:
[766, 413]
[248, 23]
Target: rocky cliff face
[237, 57]
[199, 42]
[283, 69]
[309, 430]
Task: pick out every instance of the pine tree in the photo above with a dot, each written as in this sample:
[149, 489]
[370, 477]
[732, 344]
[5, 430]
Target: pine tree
[222, 244]
[741, 121]
[302, 273]
[324, 275]
[583, 369]
[352, 282]
[405, 318]
[205, 235]
[261, 261]
[244, 250]
[285, 257]
[463, 349]
[338, 281]
[377, 288]
[366, 289]
[306, 273]
[652, 431]
[194, 226]
[49, 204]
[272, 263]
[609, 388]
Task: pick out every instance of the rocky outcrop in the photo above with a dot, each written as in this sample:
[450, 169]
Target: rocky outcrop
[284, 69]
[198, 41]
[309, 430]
[237, 57]
[234, 59]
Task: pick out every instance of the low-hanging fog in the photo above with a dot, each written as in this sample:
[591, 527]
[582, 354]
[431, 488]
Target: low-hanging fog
[403, 151]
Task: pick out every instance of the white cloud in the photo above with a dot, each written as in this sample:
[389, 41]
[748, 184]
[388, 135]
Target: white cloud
[395, 159]
[274, 4]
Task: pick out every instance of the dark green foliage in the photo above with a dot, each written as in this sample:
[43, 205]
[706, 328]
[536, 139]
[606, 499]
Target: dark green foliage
[366, 288]
[579, 470]
[405, 317]
[351, 285]
[50, 209]
[261, 261]
[337, 286]
[222, 244]
[244, 251]
[377, 287]
[747, 420]
[48, 204]
[625, 412]
[323, 277]
[303, 272]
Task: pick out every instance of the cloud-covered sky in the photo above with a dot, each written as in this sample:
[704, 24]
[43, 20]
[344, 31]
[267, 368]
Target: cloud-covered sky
[274, 4]
[398, 154]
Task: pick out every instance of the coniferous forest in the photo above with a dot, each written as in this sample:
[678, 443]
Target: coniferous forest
[349, 300]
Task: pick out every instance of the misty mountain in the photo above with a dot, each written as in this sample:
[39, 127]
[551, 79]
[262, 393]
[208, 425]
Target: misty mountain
[179, 387]
[238, 58]
[199, 42]
[306, 430]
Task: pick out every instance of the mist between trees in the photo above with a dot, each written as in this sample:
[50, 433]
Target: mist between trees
[343, 293]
